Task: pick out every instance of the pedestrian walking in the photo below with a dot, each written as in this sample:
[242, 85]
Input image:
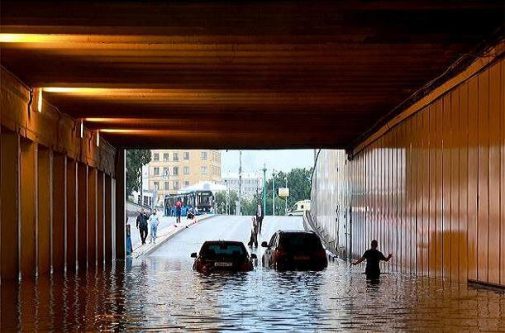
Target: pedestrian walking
[142, 225]
[178, 211]
[259, 217]
[154, 221]
[253, 239]
[373, 257]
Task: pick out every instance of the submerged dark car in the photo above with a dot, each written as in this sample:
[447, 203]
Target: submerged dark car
[223, 256]
[294, 250]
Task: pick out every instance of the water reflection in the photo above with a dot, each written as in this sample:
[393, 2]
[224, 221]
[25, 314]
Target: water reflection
[157, 293]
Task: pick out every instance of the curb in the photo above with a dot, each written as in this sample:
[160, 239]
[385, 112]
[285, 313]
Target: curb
[146, 250]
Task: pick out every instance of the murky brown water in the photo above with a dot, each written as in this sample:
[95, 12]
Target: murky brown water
[165, 294]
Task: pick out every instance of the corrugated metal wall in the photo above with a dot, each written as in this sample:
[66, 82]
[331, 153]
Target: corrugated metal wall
[431, 190]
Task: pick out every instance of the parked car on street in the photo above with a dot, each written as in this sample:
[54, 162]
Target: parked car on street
[294, 250]
[223, 256]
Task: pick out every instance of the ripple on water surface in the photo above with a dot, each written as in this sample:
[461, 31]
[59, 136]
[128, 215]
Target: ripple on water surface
[160, 293]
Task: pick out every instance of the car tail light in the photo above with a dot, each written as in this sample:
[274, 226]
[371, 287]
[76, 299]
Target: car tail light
[246, 266]
[279, 253]
[320, 254]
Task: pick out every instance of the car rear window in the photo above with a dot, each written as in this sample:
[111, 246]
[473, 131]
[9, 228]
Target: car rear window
[300, 241]
[222, 250]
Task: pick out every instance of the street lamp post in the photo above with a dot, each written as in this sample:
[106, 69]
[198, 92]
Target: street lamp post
[227, 206]
[273, 192]
[239, 209]
[286, 208]
[264, 207]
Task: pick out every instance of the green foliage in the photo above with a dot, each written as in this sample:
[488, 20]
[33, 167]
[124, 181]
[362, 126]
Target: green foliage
[299, 183]
[135, 159]
[223, 203]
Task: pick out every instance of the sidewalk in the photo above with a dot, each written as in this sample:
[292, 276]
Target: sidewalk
[166, 229]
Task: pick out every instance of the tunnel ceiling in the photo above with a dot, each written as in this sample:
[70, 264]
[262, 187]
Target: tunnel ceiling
[259, 75]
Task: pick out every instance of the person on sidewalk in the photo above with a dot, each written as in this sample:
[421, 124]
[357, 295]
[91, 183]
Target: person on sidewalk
[142, 225]
[154, 221]
[178, 211]
[253, 239]
[373, 257]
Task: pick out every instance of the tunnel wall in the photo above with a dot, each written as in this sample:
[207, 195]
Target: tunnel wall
[430, 187]
[55, 188]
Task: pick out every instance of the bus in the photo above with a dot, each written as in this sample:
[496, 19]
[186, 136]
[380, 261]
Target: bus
[202, 201]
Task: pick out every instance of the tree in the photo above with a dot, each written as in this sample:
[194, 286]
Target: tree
[135, 159]
[222, 201]
[299, 184]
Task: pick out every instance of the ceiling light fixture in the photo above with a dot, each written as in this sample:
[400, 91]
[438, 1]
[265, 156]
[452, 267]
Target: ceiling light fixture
[39, 101]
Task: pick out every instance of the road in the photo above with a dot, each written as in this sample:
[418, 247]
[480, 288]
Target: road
[224, 228]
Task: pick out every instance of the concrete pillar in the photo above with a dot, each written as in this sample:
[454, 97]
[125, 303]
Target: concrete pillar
[92, 216]
[71, 216]
[59, 203]
[100, 216]
[44, 204]
[108, 219]
[9, 213]
[28, 208]
[82, 215]
[120, 203]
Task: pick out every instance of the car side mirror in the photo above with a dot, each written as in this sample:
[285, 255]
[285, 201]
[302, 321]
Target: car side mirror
[264, 244]
[193, 255]
[253, 256]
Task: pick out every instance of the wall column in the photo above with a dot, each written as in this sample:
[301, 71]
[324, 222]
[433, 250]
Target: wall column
[108, 219]
[9, 196]
[71, 216]
[28, 208]
[100, 217]
[92, 216]
[120, 204]
[59, 203]
[82, 215]
[44, 210]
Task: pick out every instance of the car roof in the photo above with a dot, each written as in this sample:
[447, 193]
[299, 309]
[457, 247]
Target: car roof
[222, 242]
[296, 232]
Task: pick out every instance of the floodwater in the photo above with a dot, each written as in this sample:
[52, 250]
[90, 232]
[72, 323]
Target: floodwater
[162, 292]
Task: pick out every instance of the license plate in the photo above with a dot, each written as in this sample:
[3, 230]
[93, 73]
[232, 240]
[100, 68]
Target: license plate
[301, 257]
[223, 264]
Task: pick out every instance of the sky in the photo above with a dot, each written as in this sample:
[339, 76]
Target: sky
[253, 160]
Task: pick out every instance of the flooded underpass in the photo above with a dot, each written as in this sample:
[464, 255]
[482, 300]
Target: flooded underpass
[162, 292]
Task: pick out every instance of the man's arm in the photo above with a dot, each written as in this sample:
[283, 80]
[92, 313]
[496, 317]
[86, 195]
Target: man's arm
[388, 257]
[359, 261]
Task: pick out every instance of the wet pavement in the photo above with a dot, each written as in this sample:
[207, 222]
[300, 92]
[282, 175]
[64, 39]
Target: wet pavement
[162, 292]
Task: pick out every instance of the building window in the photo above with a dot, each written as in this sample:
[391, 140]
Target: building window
[203, 170]
[166, 172]
[186, 170]
[165, 157]
[156, 185]
[175, 171]
[186, 183]
[156, 171]
[175, 156]
[156, 157]
[186, 155]
[176, 184]
[203, 155]
[167, 186]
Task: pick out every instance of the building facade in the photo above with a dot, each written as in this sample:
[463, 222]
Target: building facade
[251, 183]
[172, 170]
